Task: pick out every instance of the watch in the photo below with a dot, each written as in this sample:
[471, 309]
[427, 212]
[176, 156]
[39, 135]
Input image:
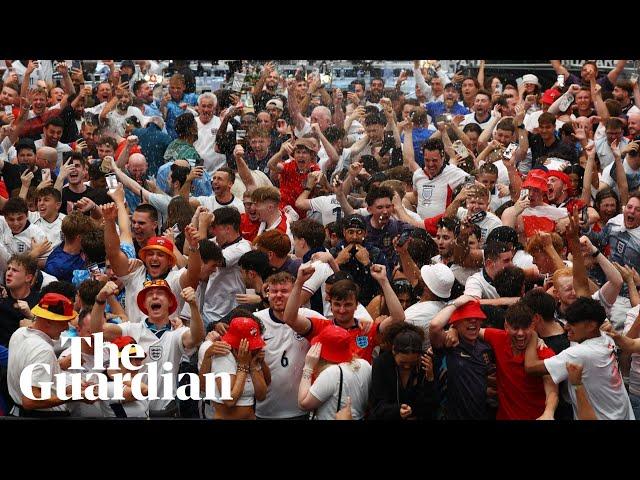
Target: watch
[596, 253]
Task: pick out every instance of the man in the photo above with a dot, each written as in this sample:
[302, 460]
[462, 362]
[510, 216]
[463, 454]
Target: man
[255, 268]
[208, 125]
[343, 306]
[520, 396]
[589, 71]
[277, 246]
[265, 88]
[75, 170]
[51, 133]
[355, 256]
[267, 201]
[155, 334]
[476, 198]
[436, 181]
[449, 105]
[631, 166]
[176, 103]
[153, 142]
[376, 88]
[21, 297]
[469, 88]
[481, 110]
[545, 143]
[461, 371]
[182, 147]
[117, 110]
[604, 147]
[315, 201]
[226, 282]
[67, 256]
[594, 350]
[222, 181]
[144, 225]
[438, 280]
[48, 217]
[18, 235]
[143, 92]
[249, 220]
[32, 345]
[497, 256]
[158, 260]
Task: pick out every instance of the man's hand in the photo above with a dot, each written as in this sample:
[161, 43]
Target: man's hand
[85, 205]
[574, 89]
[248, 298]
[405, 411]
[192, 236]
[23, 308]
[379, 273]
[117, 194]
[313, 356]
[355, 168]
[80, 146]
[26, 178]
[522, 204]
[221, 328]
[427, 364]
[626, 272]
[218, 348]
[110, 289]
[188, 294]
[287, 148]
[195, 173]
[313, 178]
[109, 211]
[305, 272]
[324, 257]
[40, 248]
[238, 151]
[66, 168]
[520, 112]
[362, 255]
[451, 338]
[345, 254]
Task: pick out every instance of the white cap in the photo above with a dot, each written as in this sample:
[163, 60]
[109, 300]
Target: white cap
[438, 278]
[530, 78]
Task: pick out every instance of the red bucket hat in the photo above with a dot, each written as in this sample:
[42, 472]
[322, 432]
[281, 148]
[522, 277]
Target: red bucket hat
[337, 344]
[150, 284]
[158, 243]
[244, 327]
[468, 310]
[536, 180]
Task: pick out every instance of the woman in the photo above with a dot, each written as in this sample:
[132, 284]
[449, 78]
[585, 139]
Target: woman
[607, 204]
[404, 291]
[130, 407]
[245, 364]
[338, 374]
[402, 379]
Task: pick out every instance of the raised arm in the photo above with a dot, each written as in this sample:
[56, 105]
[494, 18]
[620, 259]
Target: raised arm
[275, 163]
[98, 324]
[195, 335]
[266, 71]
[297, 322]
[191, 276]
[580, 278]
[303, 202]
[621, 175]
[402, 214]
[615, 73]
[396, 312]
[408, 154]
[117, 258]
[243, 169]
[330, 149]
[294, 109]
[131, 184]
[559, 68]
[439, 322]
[612, 287]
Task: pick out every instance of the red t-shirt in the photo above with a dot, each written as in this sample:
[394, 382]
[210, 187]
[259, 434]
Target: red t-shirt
[292, 184]
[3, 190]
[363, 343]
[520, 396]
[248, 228]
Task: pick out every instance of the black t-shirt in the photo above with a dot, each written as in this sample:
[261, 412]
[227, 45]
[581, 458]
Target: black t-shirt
[69, 196]
[10, 317]
[556, 149]
[260, 102]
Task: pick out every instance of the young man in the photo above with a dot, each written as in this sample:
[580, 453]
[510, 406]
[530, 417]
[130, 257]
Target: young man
[520, 396]
[176, 102]
[225, 283]
[48, 216]
[117, 110]
[277, 247]
[592, 349]
[155, 334]
[222, 181]
[158, 259]
[51, 134]
[267, 201]
[476, 199]
[344, 301]
[21, 297]
[67, 256]
[497, 256]
[481, 110]
[18, 235]
[461, 371]
[75, 170]
[249, 220]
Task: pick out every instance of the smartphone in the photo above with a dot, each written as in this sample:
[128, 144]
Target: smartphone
[469, 180]
[404, 236]
[238, 81]
[511, 148]
[176, 230]
[192, 162]
[584, 215]
[76, 64]
[460, 149]
[560, 81]
[46, 174]
[478, 217]
[240, 135]
[112, 181]
[524, 193]
[94, 269]
[8, 109]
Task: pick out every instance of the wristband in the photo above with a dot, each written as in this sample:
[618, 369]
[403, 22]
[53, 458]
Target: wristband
[100, 303]
[596, 254]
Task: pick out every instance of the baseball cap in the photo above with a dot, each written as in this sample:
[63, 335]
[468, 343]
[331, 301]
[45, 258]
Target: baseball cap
[306, 143]
[158, 243]
[530, 78]
[244, 327]
[535, 180]
[468, 310]
[451, 86]
[549, 96]
[125, 340]
[275, 102]
[151, 284]
[336, 344]
[438, 278]
[54, 306]
[25, 143]
[354, 221]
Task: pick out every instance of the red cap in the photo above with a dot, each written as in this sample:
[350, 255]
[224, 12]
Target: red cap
[336, 344]
[243, 327]
[150, 284]
[536, 179]
[158, 243]
[550, 96]
[562, 176]
[123, 341]
[468, 310]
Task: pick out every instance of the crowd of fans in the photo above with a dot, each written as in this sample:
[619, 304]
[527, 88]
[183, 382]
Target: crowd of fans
[469, 250]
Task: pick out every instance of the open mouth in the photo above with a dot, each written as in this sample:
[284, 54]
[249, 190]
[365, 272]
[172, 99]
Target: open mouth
[155, 307]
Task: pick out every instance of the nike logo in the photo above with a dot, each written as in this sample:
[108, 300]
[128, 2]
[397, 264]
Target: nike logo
[265, 338]
[465, 355]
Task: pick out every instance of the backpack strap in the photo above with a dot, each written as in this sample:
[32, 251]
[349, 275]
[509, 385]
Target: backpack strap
[340, 390]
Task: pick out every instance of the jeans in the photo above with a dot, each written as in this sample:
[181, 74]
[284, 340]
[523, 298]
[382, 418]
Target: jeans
[635, 405]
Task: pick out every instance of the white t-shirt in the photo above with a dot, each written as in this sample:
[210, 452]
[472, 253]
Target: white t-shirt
[205, 145]
[225, 283]
[471, 118]
[343, 162]
[213, 204]
[283, 218]
[117, 120]
[29, 346]
[60, 148]
[609, 180]
[355, 384]
[600, 377]
[420, 314]
[327, 207]
[435, 194]
[51, 230]
[167, 348]
[478, 286]
[80, 408]
[228, 364]
[133, 283]
[486, 225]
[20, 243]
[133, 409]
[284, 353]
[634, 373]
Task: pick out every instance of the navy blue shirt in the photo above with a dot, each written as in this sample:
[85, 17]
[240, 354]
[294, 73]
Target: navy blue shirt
[461, 378]
[383, 238]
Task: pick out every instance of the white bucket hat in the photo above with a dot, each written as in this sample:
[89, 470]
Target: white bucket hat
[438, 278]
[530, 78]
